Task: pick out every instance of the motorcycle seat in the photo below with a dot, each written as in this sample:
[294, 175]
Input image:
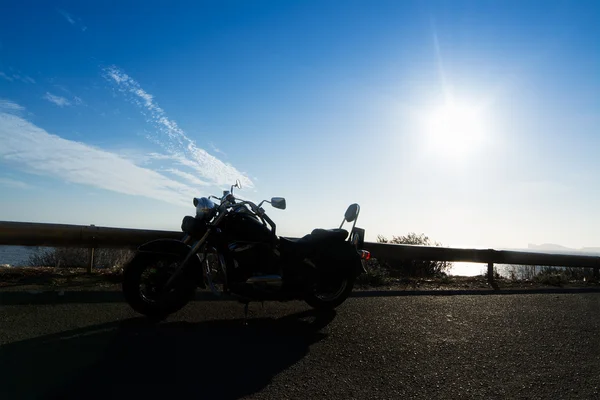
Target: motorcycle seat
[317, 236]
[317, 239]
[327, 234]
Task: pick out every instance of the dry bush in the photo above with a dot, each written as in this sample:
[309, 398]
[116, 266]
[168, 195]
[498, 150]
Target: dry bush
[71, 257]
[413, 268]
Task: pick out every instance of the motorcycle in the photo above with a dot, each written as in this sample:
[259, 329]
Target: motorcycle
[231, 247]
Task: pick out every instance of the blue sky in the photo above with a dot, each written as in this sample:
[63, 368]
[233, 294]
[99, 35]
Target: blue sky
[475, 122]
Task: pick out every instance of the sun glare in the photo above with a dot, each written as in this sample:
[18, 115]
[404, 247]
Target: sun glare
[454, 129]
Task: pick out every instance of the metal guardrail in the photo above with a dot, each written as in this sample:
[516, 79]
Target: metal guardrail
[90, 236]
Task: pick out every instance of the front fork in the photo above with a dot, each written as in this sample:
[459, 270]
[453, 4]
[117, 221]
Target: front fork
[192, 253]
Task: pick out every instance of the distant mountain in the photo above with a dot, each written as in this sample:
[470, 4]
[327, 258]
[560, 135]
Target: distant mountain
[548, 246]
[591, 249]
[557, 247]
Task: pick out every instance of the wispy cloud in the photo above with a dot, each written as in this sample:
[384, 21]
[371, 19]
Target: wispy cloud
[12, 183]
[29, 148]
[75, 99]
[23, 78]
[16, 76]
[216, 149]
[188, 177]
[73, 20]
[8, 78]
[181, 149]
[58, 100]
[67, 16]
[9, 106]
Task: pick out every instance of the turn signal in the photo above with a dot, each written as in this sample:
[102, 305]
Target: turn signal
[365, 255]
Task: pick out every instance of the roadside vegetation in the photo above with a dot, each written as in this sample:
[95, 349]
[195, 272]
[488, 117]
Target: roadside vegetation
[413, 268]
[58, 263]
[68, 257]
[381, 272]
[555, 276]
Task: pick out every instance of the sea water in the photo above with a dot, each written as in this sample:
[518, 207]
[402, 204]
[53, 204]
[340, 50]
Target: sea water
[17, 256]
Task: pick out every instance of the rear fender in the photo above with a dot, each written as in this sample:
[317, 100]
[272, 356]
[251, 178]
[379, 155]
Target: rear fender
[360, 267]
[174, 247]
[353, 259]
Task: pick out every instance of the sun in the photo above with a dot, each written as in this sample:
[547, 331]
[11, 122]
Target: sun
[455, 128]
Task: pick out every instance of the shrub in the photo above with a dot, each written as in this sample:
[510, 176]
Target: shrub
[539, 274]
[70, 257]
[413, 268]
[376, 275]
[551, 276]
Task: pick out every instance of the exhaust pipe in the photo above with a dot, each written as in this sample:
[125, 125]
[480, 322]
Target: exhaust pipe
[269, 280]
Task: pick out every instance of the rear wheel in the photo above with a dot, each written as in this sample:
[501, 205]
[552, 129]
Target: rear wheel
[143, 280]
[331, 292]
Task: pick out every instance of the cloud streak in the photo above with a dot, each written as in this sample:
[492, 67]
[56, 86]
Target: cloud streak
[9, 106]
[216, 149]
[8, 78]
[188, 177]
[12, 183]
[75, 99]
[67, 16]
[58, 100]
[73, 20]
[19, 77]
[29, 148]
[180, 148]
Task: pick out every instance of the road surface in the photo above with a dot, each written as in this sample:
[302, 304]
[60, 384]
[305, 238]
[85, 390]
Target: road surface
[544, 346]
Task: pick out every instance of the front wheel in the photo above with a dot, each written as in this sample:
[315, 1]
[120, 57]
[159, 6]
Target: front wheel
[143, 279]
[330, 293]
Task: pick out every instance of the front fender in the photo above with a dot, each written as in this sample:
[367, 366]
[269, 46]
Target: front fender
[173, 247]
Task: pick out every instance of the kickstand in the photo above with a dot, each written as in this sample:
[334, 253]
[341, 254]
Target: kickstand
[246, 314]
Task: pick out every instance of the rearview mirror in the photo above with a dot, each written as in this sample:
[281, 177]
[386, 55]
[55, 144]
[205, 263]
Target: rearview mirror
[278, 202]
[237, 184]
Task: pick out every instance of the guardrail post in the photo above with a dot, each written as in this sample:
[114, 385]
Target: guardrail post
[90, 265]
[490, 272]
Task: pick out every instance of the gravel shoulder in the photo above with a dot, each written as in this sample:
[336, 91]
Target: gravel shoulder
[62, 279]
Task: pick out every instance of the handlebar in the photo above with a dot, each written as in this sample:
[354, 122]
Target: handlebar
[270, 222]
[225, 203]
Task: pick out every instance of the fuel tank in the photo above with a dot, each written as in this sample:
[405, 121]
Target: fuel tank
[250, 246]
[245, 227]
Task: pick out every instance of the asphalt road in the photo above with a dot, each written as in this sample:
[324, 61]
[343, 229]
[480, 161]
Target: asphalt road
[531, 346]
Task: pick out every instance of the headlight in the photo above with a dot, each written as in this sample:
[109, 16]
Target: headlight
[204, 207]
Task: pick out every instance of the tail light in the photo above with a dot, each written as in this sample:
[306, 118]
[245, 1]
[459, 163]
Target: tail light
[365, 255]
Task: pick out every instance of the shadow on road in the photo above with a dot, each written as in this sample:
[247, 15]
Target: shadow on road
[13, 298]
[133, 359]
[9, 298]
[473, 292]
